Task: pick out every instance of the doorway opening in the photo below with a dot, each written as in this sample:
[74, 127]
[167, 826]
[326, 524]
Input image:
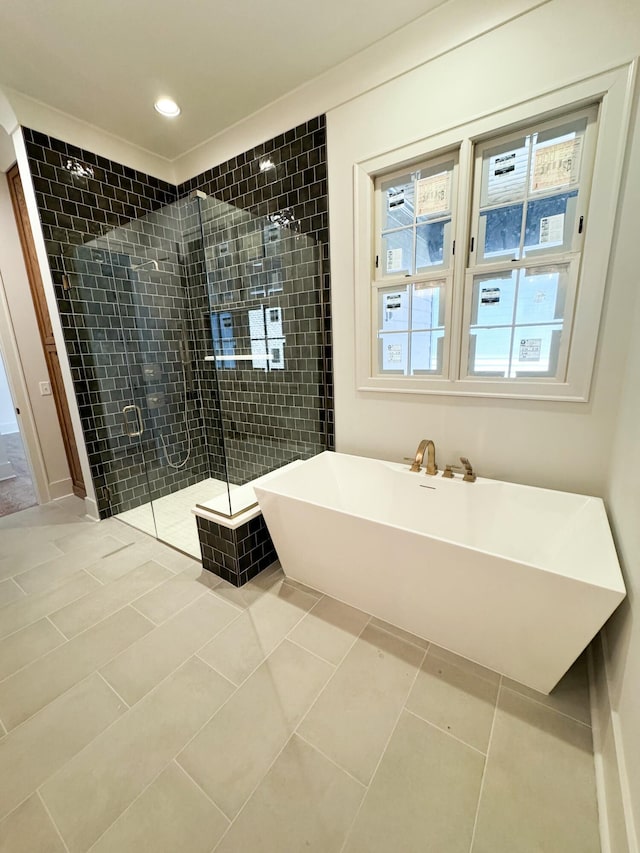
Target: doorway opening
[17, 490]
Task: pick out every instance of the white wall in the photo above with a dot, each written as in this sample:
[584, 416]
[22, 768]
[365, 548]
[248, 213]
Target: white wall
[550, 444]
[622, 634]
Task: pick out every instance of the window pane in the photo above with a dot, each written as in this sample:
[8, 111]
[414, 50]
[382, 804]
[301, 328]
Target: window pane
[428, 305]
[550, 222]
[557, 157]
[393, 353]
[426, 351]
[541, 294]
[397, 253]
[393, 309]
[535, 350]
[397, 199]
[489, 351]
[432, 245]
[500, 233]
[493, 299]
[433, 191]
[504, 172]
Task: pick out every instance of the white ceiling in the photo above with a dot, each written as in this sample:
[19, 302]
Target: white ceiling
[222, 60]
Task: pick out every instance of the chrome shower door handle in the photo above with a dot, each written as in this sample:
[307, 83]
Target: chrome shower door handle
[133, 433]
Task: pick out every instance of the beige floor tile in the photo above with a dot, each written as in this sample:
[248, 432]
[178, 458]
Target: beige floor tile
[570, 696]
[268, 582]
[28, 829]
[423, 796]
[114, 566]
[9, 591]
[95, 787]
[49, 574]
[170, 597]
[97, 605]
[330, 629]
[30, 689]
[139, 668]
[456, 695]
[304, 803]
[398, 632]
[88, 537]
[249, 731]
[37, 749]
[30, 555]
[174, 560]
[245, 643]
[539, 788]
[28, 644]
[354, 716]
[29, 609]
[171, 815]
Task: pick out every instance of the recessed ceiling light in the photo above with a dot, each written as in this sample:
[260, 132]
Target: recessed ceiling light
[167, 107]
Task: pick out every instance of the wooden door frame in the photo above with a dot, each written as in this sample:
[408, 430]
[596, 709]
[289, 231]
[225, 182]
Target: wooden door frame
[43, 319]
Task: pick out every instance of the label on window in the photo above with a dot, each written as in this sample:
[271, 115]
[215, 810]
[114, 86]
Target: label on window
[557, 165]
[489, 295]
[395, 199]
[394, 353]
[394, 260]
[504, 164]
[433, 193]
[393, 301]
[552, 228]
[530, 349]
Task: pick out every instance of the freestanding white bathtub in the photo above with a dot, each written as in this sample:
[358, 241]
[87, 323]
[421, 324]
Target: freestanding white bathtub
[516, 578]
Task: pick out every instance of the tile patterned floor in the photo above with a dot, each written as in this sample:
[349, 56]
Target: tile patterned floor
[145, 706]
[171, 515]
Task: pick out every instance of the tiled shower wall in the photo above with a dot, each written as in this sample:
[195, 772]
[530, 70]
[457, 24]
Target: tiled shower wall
[96, 226]
[266, 247]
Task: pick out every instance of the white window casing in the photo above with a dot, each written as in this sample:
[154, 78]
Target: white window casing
[491, 294]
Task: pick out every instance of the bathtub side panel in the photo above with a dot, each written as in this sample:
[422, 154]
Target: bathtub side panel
[527, 624]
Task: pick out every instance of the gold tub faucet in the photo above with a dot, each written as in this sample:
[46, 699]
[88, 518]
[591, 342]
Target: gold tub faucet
[426, 445]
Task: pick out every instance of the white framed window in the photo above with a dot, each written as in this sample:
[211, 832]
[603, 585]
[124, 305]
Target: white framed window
[481, 253]
[413, 267]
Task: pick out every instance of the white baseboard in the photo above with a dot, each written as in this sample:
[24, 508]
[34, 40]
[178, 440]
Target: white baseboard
[6, 471]
[91, 508]
[60, 489]
[617, 830]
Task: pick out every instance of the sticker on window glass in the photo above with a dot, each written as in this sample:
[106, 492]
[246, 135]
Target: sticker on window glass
[395, 199]
[504, 165]
[552, 228]
[556, 165]
[392, 305]
[489, 295]
[433, 194]
[394, 260]
[507, 175]
[394, 353]
[530, 349]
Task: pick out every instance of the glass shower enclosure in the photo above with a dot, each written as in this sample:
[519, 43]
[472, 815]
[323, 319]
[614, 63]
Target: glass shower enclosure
[199, 344]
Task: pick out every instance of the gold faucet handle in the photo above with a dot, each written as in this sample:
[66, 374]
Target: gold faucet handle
[415, 466]
[469, 474]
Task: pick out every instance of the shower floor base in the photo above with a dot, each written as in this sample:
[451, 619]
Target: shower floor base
[170, 518]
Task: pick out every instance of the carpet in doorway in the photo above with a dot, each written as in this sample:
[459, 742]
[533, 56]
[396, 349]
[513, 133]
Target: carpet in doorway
[18, 492]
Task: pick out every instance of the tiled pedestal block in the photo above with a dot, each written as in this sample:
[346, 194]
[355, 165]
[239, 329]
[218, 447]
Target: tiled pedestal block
[237, 555]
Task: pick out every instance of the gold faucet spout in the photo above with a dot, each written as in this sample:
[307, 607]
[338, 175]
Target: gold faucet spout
[428, 447]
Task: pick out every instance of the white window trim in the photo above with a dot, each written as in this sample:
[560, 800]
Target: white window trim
[614, 89]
